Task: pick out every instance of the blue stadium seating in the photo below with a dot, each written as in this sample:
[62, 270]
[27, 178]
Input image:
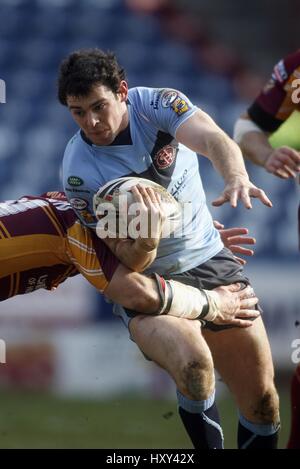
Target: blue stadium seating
[36, 34]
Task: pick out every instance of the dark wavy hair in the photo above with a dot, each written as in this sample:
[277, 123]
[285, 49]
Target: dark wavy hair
[84, 68]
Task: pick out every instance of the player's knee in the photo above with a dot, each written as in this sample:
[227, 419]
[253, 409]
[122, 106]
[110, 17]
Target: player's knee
[197, 379]
[266, 408]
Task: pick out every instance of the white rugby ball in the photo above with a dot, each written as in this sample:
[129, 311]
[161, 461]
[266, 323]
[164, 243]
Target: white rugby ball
[114, 191]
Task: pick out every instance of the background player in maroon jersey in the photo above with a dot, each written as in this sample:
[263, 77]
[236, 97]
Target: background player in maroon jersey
[277, 101]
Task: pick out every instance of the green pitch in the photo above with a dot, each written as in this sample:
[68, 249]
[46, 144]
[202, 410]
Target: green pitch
[42, 421]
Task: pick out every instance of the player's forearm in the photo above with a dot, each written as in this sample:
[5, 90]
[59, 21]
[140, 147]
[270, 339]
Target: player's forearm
[226, 156]
[256, 147]
[202, 135]
[136, 255]
[132, 253]
[145, 295]
[133, 291]
[158, 296]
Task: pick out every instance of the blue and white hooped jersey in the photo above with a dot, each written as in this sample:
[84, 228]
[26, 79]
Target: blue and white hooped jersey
[148, 149]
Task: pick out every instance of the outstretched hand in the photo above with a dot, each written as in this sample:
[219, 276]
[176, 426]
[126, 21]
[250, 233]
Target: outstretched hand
[283, 162]
[242, 189]
[234, 238]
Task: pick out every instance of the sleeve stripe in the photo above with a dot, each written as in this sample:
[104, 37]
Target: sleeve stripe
[263, 119]
[54, 220]
[4, 230]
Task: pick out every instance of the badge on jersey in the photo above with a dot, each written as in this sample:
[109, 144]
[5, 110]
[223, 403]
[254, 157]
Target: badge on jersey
[180, 106]
[75, 181]
[165, 157]
[78, 204]
[168, 97]
[174, 100]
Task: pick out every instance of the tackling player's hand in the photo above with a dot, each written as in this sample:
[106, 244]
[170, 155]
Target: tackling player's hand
[236, 306]
[241, 188]
[233, 238]
[283, 162]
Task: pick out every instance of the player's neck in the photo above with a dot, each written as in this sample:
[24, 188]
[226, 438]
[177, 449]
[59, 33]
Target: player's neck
[124, 122]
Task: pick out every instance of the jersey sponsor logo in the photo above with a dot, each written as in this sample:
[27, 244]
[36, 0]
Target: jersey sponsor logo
[280, 74]
[79, 204]
[179, 185]
[75, 181]
[165, 157]
[36, 283]
[168, 97]
[155, 101]
[77, 190]
[180, 106]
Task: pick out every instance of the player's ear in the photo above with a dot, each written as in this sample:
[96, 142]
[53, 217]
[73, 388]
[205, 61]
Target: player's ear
[123, 91]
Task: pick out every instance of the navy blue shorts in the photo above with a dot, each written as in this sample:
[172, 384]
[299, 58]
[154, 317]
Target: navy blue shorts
[222, 269]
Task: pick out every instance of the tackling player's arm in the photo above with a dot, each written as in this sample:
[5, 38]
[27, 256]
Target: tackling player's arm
[156, 296]
[135, 254]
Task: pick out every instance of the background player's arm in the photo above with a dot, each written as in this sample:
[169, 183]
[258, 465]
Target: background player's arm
[283, 162]
[202, 135]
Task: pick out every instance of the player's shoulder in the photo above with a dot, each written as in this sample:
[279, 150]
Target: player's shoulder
[76, 161]
[141, 94]
[76, 146]
[162, 96]
[292, 61]
[160, 100]
[286, 66]
[60, 206]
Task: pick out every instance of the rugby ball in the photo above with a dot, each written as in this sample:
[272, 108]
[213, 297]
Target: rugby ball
[118, 193]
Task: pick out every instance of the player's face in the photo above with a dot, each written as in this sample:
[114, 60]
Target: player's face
[102, 114]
